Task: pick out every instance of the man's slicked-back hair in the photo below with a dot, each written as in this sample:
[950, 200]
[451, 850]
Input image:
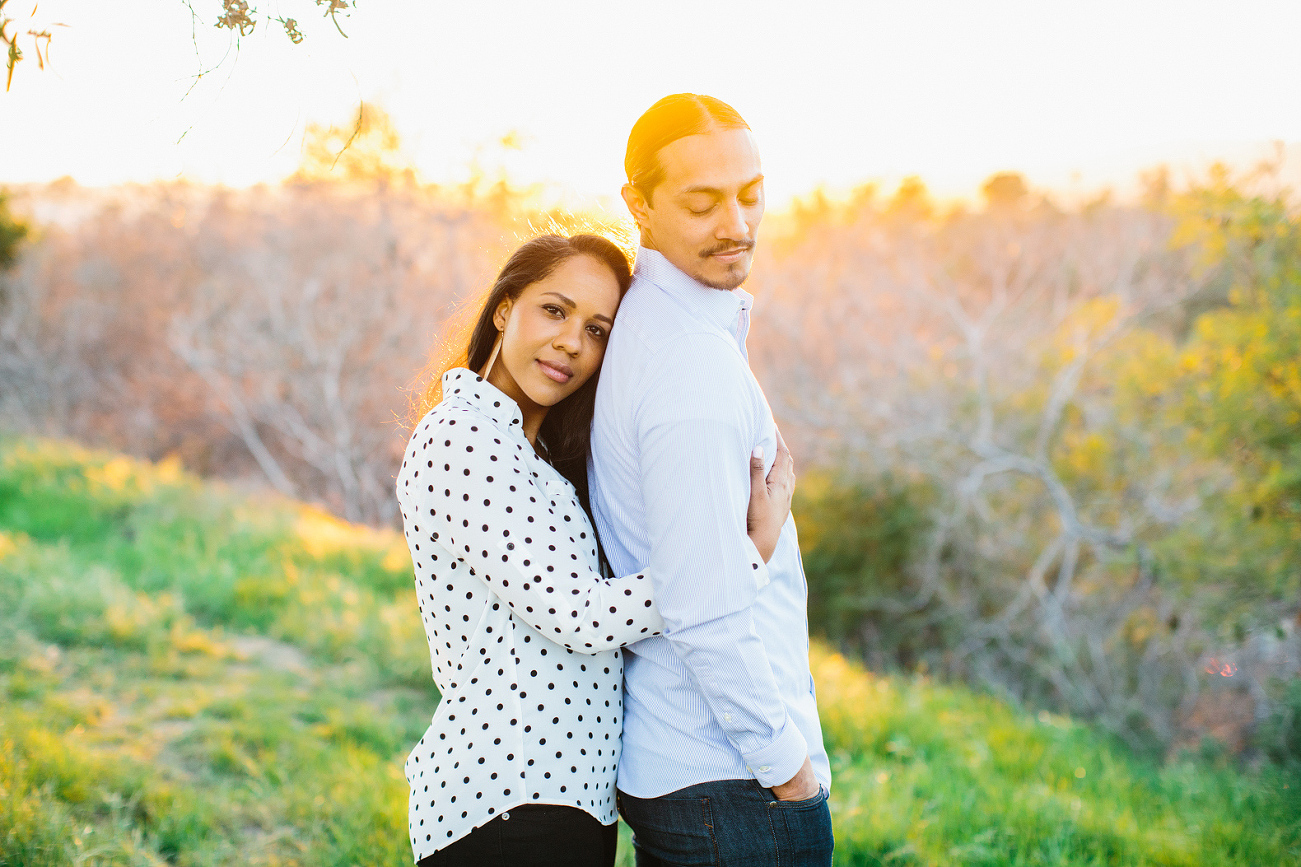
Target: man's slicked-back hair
[673, 117]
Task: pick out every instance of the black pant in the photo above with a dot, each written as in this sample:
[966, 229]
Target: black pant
[533, 835]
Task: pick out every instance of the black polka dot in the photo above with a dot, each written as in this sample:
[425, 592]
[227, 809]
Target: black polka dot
[498, 541]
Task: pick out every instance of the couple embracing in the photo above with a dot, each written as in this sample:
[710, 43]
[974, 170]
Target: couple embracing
[606, 566]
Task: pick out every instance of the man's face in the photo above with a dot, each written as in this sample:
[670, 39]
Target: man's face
[704, 216]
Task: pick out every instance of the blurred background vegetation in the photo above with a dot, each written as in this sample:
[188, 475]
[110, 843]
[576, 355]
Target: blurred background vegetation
[1050, 497]
[194, 675]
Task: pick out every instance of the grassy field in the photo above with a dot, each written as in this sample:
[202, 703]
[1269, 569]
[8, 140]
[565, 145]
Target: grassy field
[191, 676]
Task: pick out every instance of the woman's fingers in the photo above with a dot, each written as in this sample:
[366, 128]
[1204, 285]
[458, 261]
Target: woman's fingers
[759, 492]
[757, 484]
[783, 467]
[770, 498]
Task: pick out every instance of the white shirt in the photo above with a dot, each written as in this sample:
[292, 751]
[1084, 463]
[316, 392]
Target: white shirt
[725, 692]
[508, 584]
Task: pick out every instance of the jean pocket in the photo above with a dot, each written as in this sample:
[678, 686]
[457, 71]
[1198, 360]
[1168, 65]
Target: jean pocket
[804, 830]
[804, 803]
[675, 830]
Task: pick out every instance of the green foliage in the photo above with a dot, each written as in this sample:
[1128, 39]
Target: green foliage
[1224, 392]
[1280, 735]
[117, 536]
[143, 721]
[927, 774]
[857, 540]
[192, 677]
[1239, 380]
[12, 233]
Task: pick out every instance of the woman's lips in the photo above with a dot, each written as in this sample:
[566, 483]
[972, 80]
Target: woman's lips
[561, 373]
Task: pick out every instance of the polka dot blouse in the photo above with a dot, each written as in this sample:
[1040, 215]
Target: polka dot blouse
[523, 630]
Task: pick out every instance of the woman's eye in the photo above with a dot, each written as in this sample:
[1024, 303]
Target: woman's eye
[596, 331]
[553, 309]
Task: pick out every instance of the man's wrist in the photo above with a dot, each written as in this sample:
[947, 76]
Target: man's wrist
[781, 760]
[802, 786]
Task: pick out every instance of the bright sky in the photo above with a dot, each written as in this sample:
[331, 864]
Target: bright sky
[1075, 95]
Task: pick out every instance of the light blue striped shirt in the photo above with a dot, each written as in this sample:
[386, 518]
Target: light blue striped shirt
[725, 692]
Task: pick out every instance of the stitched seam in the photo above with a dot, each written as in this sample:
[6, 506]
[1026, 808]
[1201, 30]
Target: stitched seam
[707, 817]
[777, 844]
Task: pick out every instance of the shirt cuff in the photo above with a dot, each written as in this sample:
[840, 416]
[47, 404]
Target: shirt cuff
[758, 568]
[781, 760]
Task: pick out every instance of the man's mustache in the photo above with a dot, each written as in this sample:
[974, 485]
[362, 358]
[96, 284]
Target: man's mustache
[727, 247]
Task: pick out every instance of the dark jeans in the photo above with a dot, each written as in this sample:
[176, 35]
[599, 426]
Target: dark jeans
[533, 835]
[728, 823]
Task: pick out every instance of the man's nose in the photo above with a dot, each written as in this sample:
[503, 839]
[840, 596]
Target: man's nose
[732, 225]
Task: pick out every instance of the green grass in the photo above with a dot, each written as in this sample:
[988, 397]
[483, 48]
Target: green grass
[192, 677]
[930, 774]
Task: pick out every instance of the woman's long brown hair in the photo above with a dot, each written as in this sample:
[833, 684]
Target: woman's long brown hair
[567, 429]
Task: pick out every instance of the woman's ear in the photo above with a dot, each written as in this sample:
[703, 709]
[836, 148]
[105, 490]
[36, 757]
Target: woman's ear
[501, 314]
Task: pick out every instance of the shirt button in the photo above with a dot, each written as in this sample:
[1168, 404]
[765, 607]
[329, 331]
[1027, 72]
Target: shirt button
[765, 768]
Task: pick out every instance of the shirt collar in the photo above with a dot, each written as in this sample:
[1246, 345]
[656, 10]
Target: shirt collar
[722, 307]
[482, 395]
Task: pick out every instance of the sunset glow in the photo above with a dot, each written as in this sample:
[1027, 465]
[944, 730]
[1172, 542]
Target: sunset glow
[300, 316]
[1076, 97]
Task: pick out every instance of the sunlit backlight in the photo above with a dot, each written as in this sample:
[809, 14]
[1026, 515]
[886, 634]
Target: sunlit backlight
[1223, 669]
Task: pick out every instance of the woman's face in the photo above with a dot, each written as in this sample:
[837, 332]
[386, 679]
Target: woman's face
[554, 333]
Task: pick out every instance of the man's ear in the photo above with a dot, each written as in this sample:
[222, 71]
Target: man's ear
[637, 205]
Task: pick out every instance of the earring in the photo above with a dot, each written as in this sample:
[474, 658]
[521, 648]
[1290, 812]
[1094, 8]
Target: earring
[496, 347]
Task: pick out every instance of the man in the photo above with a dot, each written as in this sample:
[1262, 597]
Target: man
[723, 761]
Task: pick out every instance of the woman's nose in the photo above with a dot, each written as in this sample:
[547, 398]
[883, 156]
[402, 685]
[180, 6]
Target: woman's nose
[569, 339]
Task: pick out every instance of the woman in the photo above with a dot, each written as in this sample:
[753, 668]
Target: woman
[518, 765]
